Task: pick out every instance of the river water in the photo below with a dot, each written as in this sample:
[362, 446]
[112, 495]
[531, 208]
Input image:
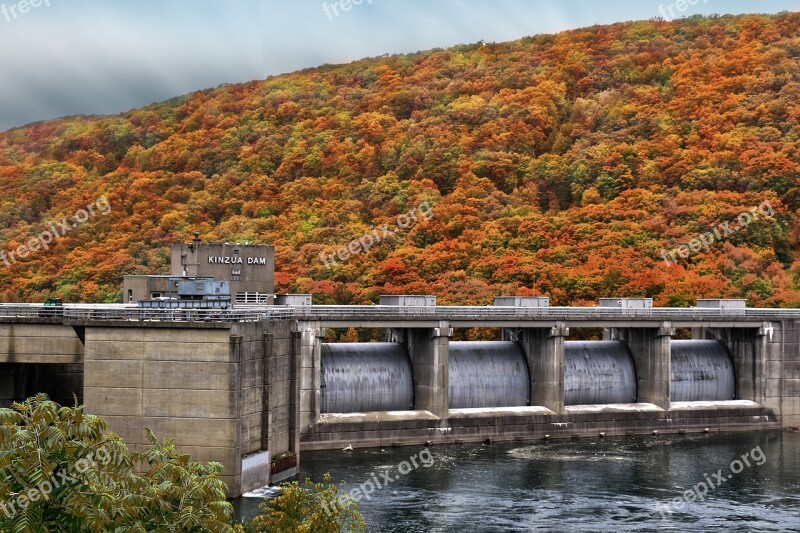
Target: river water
[613, 484]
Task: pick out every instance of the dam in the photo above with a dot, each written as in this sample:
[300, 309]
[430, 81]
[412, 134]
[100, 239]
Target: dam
[252, 386]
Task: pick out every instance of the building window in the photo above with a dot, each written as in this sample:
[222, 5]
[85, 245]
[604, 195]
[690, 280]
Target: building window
[130, 295]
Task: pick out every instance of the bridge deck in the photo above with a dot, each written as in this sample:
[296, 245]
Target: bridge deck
[393, 316]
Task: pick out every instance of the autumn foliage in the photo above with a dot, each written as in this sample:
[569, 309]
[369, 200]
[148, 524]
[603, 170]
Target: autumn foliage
[556, 164]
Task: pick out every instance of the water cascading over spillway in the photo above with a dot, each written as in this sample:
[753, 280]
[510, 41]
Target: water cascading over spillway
[702, 370]
[365, 376]
[598, 372]
[487, 374]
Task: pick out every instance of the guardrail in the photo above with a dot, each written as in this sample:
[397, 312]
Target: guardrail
[89, 312]
[116, 312]
[544, 313]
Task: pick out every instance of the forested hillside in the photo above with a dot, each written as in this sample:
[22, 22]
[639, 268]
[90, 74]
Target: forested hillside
[561, 164]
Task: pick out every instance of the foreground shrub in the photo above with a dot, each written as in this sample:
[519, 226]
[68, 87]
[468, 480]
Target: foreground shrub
[61, 470]
[307, 508]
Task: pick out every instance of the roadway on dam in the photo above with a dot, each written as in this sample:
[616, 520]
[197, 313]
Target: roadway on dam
[334, 316]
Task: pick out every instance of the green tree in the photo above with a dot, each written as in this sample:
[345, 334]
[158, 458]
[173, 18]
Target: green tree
[308, 508]
[61, 470]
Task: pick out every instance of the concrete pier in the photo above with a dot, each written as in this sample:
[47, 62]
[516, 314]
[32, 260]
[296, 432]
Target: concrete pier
[650, 348]
[428, 350]
[544, 351]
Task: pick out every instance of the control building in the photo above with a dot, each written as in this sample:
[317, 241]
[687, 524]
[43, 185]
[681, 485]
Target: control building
[248, 268]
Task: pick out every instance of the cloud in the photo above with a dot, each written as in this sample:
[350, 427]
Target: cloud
[93, 58]
[97, 57]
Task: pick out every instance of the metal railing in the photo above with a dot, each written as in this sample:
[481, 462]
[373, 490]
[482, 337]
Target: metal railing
[117, 312]
[125, 312]
[543, 313]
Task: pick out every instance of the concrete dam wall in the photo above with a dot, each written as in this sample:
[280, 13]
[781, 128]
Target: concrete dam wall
[252, 387]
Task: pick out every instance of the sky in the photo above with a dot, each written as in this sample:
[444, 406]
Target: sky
[68, 57]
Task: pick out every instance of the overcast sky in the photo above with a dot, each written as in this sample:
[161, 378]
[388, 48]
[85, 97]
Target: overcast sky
[69, 57]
